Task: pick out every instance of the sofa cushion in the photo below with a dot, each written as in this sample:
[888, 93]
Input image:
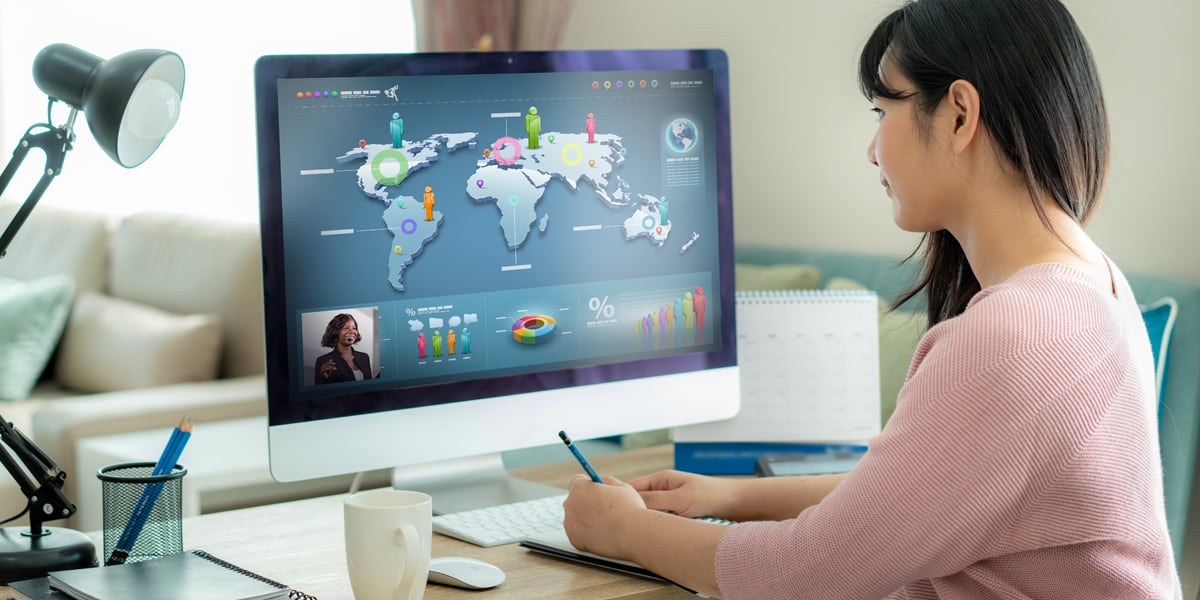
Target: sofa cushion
[112, 344]
[188, 265]
[56, 241]
[776, 277]
[34, 314]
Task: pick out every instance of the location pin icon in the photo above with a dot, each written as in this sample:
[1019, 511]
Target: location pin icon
[591, 162]
[362, 143]
[551, 138]
[479, 183]
[487, 153]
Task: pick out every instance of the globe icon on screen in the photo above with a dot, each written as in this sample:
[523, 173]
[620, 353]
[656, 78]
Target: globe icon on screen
[682, 135]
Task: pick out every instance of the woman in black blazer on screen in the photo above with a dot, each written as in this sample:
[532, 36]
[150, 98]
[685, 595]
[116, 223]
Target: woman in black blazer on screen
[343, 363]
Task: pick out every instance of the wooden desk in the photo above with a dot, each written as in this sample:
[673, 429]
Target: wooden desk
[301, 544]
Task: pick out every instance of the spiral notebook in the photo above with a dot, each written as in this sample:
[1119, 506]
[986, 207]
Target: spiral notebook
[192, 575]
[809, 368]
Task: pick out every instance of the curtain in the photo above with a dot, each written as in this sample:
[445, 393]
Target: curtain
[458, 25]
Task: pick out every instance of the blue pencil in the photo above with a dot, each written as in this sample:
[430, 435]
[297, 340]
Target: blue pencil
[145, 504]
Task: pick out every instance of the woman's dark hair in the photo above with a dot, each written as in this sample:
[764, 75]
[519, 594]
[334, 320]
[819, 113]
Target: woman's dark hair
[334, 328]
[1040, 101]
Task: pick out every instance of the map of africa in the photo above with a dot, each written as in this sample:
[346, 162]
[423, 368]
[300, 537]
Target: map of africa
[511, 176]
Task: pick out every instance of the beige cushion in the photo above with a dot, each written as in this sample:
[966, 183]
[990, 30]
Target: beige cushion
[58, 241]
[112, 344]
[776, 277]
[899, 333]
[188, 265]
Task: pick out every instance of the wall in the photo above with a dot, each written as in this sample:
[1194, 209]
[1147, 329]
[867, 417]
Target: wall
[801, 128]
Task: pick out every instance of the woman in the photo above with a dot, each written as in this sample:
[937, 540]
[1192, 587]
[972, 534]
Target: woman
[1022, 459]
[343, 363]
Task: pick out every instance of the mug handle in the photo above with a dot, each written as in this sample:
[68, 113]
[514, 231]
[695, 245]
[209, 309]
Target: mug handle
[406, 534]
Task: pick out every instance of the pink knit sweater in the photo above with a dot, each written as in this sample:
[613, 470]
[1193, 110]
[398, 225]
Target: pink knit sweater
[1022, 462]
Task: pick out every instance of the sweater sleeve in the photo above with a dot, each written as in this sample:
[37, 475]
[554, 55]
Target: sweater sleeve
[984, 424]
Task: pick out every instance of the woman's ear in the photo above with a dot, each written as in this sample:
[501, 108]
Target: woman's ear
[963, 103]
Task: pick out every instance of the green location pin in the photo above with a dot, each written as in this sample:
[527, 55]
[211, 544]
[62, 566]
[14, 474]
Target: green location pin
[551, 138]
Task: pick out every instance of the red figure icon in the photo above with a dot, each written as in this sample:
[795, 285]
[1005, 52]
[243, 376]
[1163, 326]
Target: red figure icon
[591, 128]
[699, 303]
[428, 203]
[421, 345]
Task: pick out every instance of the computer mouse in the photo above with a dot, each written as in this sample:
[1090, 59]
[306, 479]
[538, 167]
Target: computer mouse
[464, 572]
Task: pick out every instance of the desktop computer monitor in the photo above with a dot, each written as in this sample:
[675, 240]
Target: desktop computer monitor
[464, 253]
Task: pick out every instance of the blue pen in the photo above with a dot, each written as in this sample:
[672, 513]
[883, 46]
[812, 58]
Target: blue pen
[579, 457]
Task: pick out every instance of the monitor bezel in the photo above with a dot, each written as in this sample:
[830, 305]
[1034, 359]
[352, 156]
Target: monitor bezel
[270, 69]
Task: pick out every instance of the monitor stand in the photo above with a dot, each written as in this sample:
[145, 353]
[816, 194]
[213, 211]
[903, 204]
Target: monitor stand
[468, 483]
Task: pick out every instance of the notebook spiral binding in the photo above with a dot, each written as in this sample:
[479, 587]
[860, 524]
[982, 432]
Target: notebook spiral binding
[800, 296]
[293, 594]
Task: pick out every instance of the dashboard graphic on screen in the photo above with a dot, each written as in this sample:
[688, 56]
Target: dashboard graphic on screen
[451, 228]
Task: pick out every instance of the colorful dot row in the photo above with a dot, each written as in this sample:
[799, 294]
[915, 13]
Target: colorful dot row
[303, 95]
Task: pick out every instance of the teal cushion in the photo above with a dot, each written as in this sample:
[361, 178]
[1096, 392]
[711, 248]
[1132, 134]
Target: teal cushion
[33, 314]
[1160, 322]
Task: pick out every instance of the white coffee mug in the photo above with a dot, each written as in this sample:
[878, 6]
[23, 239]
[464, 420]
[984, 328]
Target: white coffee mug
[389, 534]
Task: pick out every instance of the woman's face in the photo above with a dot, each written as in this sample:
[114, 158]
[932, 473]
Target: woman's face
[913, 167]
[348, 336]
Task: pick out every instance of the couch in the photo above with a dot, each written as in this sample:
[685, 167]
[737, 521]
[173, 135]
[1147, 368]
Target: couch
[164, 319]
[765, 266]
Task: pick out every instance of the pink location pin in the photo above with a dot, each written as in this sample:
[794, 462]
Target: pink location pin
[362, 143]
[479, 183]
[658, 230]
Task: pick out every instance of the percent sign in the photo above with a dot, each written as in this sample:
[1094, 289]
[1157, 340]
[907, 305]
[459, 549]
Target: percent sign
[601, 307]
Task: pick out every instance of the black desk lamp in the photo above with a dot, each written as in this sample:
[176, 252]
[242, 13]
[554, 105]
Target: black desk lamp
[130, 101]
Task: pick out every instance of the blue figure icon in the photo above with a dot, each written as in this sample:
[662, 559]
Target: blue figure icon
[464, 340]
[663, 207]
[397, 130]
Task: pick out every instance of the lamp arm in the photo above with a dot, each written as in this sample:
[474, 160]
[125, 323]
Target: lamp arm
[55, 142]
[41, 480]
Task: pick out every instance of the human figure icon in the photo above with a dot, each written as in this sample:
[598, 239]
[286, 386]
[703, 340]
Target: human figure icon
[699, 305]
[678, 312]
[689, 311]
[663, 207]
[591, 128]
[429, 203]
[437, 344]
[465, 340]
[397, 128]
[670, 310]
[533, 128]
[450, 340]
[421, 345]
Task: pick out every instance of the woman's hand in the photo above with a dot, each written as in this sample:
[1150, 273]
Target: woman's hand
[595, 515]
[327, 368]
[688, 494]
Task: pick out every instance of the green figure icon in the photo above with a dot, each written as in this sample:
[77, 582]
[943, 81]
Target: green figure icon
[437, 344]
[533, 127]
[688, 310]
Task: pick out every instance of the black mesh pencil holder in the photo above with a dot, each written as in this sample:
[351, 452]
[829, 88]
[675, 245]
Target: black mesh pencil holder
[143, 512]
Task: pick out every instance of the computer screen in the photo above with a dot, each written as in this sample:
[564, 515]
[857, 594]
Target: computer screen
[464, 253]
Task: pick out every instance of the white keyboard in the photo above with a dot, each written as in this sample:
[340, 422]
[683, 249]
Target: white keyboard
[505, 523]
[511, 523]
